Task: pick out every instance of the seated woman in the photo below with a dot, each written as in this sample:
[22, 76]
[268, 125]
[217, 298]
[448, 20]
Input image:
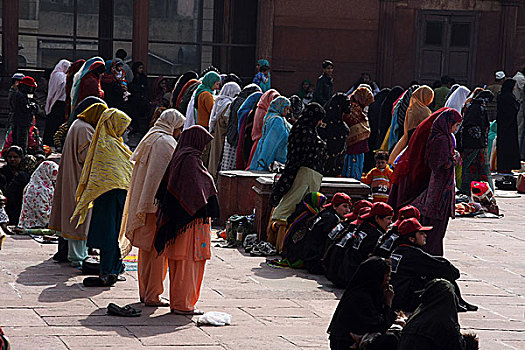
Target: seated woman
[38, 197]
[272, 145]
[316, 237]
[412, 267]
[12, 183]
[303, 171]
[434, 325]
[365, 308]
[103, 186]
[298, 224]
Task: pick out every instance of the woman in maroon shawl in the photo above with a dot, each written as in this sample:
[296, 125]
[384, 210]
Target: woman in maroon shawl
[90, 83]
[187, 200]
[436, 203]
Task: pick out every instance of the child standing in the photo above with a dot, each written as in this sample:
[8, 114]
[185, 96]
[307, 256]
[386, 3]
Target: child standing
[379, 178]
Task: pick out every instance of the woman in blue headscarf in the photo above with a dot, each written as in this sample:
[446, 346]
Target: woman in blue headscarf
[273, 144]
[78, 78]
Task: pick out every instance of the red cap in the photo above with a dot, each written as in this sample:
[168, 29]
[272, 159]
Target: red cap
[379, 208]
[27, 80]
[339, 198]
[411, 225]
[407, 212]
[357, 207]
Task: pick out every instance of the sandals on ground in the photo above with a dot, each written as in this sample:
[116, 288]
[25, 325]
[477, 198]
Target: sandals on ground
[126, 311]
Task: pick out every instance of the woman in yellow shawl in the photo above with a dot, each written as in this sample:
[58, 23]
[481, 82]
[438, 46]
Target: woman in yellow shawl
[103, 186]
[151, 158]
[417, 112]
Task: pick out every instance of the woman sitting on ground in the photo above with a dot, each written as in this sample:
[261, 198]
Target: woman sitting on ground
[12, 183]
[365, 309]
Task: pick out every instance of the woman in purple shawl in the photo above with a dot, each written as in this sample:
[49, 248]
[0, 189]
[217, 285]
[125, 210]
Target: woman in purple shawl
[187, 200]
[436, 203]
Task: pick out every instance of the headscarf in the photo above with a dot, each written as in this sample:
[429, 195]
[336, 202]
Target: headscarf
[457, 98]
[247, 106]
[223, 101]
[186, 86]
[398, 116]
[158, 93]
[297, 106]
[181, 82]
[83, 105]
[357, 120]
[73, 69]
[367, 282]
[302, 93]
[151, 157]
[305, 149]
[309, 207]
[187, 191]
[232, 133]
[436, 317]
[417, 112]
[441, 129]
[271, 146]
[107, 166]
[207, 84]
[85, 69]
[262, 107]
[57, 85]
[92, 114]
[38, 196]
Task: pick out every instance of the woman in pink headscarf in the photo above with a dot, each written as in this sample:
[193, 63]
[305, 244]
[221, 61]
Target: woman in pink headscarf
[258, 119]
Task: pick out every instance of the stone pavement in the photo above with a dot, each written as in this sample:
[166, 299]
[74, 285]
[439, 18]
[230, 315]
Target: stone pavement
[43, 305]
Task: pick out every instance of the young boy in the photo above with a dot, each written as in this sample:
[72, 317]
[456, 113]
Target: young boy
[379, 178]
[325, 84]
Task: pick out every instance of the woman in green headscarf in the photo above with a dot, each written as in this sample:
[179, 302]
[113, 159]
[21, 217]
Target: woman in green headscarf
[203, 101]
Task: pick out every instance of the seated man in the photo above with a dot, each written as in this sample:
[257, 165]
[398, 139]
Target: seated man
[323, 224]
[412, 268]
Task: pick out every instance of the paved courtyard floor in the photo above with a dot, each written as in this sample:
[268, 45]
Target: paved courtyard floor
[43, 304]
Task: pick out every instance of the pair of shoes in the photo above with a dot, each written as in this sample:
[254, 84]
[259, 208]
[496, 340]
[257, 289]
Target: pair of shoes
[126, 311]
[102, 281]
[263, 249]
[189, 312]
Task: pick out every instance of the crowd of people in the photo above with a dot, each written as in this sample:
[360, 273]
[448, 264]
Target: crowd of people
[415, 147]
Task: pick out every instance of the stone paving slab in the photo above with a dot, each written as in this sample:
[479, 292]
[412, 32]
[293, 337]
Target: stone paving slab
[45, 306]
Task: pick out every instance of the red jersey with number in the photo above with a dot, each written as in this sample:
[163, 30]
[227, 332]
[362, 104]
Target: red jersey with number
[379, 182]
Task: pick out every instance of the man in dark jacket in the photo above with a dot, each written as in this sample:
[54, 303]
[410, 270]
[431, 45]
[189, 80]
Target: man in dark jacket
[23, 112]
[325, 84]
[15, 80]
[412, 268]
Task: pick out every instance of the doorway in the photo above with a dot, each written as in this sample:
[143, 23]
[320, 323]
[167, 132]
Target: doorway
[446, 46]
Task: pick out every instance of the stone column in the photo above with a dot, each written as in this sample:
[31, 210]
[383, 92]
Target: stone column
[509, 22]
[140, 31]
[265, 21]
[10, 36]
[105, 29]
[386, 42]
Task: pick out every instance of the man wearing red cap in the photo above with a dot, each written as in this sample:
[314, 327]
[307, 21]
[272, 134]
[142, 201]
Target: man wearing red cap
[412, 268]
[364, 240]
[386, 243]
[323, 224]
[23, 112]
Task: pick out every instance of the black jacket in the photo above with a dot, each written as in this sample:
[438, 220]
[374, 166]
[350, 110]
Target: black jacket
[323, 89]
[315, 240]
[412, 268]
[22, 112]
[474, 131]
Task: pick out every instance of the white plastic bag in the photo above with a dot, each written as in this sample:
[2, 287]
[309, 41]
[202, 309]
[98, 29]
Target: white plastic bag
[214, 318]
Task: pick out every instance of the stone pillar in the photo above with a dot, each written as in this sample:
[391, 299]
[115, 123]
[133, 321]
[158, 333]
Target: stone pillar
[386, 42]
[10, 36]
[140, 31]
[265, 21]
[105, 29]
[509, 22]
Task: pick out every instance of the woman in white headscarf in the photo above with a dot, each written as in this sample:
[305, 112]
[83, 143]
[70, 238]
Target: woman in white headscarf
[457, 99]
[55, 103]
[151, 158]
[218, 124]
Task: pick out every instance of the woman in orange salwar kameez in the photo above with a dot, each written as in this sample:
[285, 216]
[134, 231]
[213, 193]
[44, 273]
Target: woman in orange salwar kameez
[187, 200]
[151, 157]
